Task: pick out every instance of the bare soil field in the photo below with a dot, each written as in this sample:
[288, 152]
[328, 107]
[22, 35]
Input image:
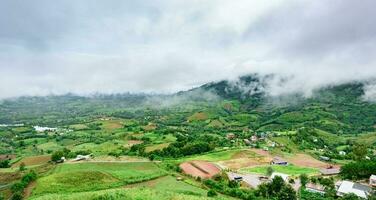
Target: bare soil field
[7, 156]
[150, 127]
[200, 169]
[245, 159]
[133, 142]
[33, 160]
[305, 160]
[300, 159]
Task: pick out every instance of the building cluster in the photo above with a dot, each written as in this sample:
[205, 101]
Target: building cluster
[342, 187]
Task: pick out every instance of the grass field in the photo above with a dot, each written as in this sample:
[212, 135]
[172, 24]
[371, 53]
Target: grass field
[67, 178]
[214, 156]
[290, 170]
[156, 147]
[33, 160]
[129, 194]
[169, 183]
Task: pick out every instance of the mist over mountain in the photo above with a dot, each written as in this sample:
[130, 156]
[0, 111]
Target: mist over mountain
[166, 46]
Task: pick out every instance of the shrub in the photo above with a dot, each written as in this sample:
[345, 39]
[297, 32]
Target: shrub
[17, 196]
[212, 193]
[4, 164]
[56, 156]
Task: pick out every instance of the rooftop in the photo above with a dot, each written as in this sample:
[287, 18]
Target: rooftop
[331, 171]
[359, 190]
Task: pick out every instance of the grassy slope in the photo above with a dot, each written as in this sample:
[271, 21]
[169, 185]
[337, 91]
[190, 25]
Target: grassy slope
[131, 194]
[290, 169]
[68, 178]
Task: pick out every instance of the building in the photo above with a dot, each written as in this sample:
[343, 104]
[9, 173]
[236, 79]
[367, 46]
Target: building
[342, 153]
[230, 136]
[251, 180]
[247, 142]
[254, 138]
[285, 177]
[324, 158]
[81, 157]
[279, 161]
[347, 187]
[315, 188]
[329, 171]
[43, 129]
[372, 180]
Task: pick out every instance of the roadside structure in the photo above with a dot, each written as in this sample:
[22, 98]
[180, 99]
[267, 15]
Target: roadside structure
[315, 188]
[279, 161]
[347, 187]
[81, 157]
[329, 171]
[372, 180]
[251, 180]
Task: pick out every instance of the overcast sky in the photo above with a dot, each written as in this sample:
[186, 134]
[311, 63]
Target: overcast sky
[112, 46]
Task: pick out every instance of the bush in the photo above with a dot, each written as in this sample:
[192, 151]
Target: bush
[56, 156]
[17, 196]
[4, 164]
[212, 193]
[358, 170]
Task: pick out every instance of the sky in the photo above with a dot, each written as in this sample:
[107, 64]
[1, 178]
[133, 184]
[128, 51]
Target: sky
[163, 46]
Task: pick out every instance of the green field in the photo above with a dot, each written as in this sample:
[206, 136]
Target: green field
[131, 194]
[214, 156]
[67, 178]
[169, 183]
[290, 170]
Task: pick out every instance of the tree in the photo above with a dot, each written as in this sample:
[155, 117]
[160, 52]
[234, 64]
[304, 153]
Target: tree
[17, 196]
[276, 185]
[4, 164]
[358, 170]
[350, 196]
[359, 151]
[287, 193]
[56, 156]
[22, 167]
[212, 193]
[269, 171]
[303, 179]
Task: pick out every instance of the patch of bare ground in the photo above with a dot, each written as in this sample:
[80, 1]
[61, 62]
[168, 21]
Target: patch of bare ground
[29, 189]
[200, 169]
[33, 160]
[305, 160]
[246, 158]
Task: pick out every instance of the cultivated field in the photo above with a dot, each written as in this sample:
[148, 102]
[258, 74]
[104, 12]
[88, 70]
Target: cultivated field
[33, 160]
[67, 178]
[141, 193]
[290, 170]
[200, 169]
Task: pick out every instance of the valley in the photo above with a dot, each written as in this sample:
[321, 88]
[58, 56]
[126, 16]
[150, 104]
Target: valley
[132, 147]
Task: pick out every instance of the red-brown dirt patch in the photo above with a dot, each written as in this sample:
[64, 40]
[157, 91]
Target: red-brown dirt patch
[246, 158]
[305, 160]
[262, 152]
[200, 169]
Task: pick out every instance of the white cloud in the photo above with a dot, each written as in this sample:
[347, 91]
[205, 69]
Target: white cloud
[117, 46]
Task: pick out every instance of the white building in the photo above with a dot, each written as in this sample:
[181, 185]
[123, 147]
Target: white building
[347, 187]
[42, 129]
[372, 180]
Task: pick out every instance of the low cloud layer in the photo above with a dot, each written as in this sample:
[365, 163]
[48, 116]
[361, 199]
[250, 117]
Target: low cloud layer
[163, 46]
